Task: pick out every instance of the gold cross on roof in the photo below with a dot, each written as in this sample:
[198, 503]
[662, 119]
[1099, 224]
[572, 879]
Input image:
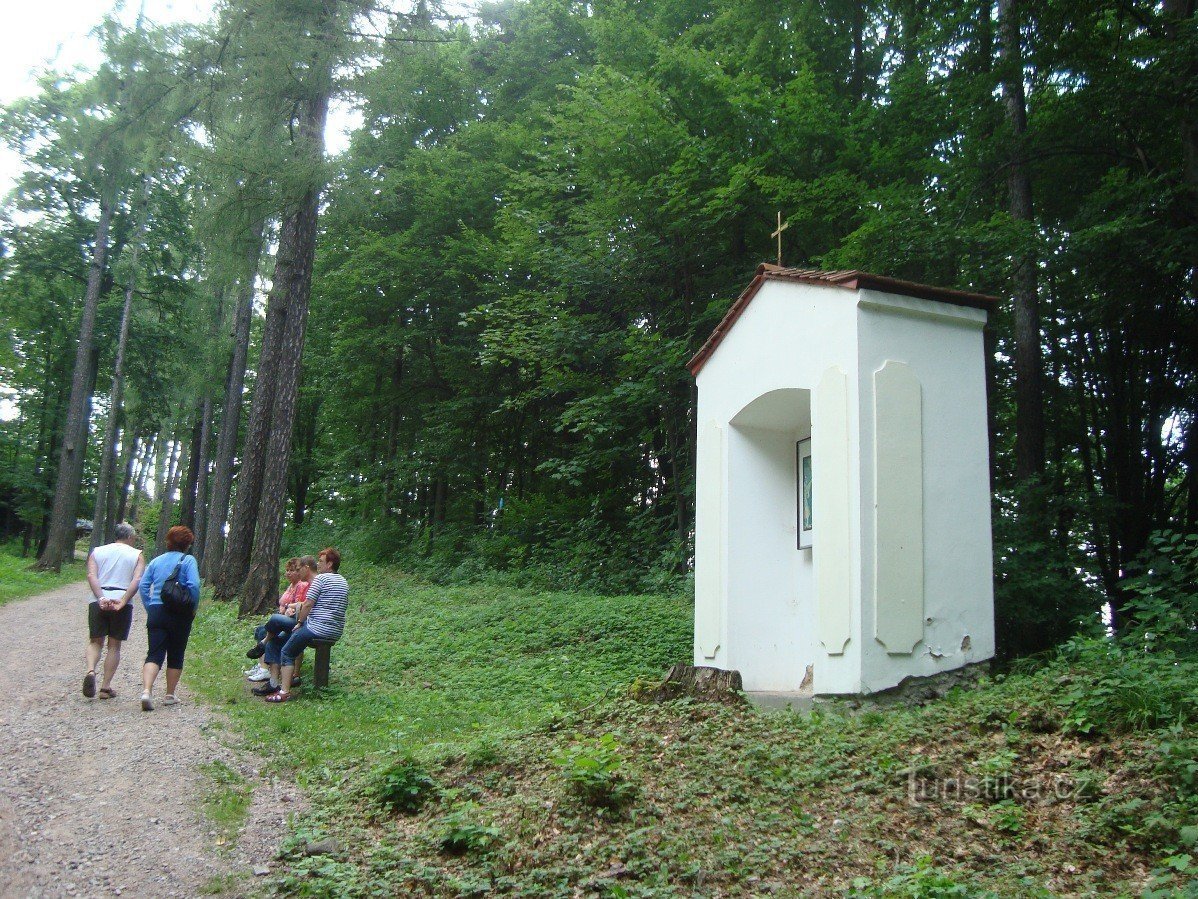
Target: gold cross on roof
[778, 234]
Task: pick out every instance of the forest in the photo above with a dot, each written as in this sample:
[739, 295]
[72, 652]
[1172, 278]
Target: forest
[460, 344]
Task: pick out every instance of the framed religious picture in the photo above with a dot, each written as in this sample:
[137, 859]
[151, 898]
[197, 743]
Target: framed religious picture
[803, 481]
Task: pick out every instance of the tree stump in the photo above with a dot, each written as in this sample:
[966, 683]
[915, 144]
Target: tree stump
[701, 682]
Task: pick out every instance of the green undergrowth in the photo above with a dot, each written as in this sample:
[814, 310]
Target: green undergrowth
[425, 668]
[992, 792]
[17, 581]
[487, 741]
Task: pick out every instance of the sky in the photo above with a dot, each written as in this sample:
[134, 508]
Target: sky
[55, 34]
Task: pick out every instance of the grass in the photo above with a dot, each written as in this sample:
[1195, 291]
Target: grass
[423, 669]
[17, 581]
[541, 774]
[226, 800]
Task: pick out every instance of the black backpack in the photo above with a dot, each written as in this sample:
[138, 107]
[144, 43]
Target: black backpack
[176, 598]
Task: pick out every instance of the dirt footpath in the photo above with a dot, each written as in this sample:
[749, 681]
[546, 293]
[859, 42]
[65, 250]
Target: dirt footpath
[97, 797]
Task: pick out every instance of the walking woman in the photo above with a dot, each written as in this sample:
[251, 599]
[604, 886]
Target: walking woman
[168, 631]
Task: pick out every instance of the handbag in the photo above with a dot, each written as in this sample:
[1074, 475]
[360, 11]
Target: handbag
[176, 598]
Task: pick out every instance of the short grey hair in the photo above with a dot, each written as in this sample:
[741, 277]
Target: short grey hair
[124, 531]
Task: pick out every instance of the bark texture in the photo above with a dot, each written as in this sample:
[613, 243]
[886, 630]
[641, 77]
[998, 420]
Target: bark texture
[1029, 379]
[212, 549]
[60, 541]
[293, 279]
[102, 526]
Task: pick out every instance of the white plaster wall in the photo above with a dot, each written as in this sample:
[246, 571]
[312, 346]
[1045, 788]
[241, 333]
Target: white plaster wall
[788, 336]
[942, 344]
[770, 613]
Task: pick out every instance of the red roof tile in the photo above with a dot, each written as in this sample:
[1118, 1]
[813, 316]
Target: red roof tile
[849, 280]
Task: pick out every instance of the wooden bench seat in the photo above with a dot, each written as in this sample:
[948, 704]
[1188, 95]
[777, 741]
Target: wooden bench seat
[320, 669]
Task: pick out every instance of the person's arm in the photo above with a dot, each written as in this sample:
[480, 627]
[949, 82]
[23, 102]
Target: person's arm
[93, 576]
[313, 593]
[191, 571]
[138, 571]
[147, 581]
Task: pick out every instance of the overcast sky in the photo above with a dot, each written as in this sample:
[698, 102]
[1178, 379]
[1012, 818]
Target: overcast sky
[55, 34]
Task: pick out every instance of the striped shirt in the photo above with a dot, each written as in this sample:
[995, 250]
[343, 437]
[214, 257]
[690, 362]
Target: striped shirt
[329, 594]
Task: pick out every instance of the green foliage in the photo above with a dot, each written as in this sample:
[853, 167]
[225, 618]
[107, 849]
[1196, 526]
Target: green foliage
[921, 880]
[593, 772]
[1163, 605]
[1108, 688]
[404, 786]
[462, 833]
[18, 581]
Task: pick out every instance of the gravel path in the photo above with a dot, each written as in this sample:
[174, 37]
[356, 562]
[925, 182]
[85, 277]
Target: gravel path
[98, 798]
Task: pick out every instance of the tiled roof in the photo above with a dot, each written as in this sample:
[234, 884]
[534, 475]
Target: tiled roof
[849, 280]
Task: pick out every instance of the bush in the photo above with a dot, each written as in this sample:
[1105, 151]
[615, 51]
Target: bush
[404, 786]
[593, 773]
[1163, 600]
[462, 833]
[1110, 688]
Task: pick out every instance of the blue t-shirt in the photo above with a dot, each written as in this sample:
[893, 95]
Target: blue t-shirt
[163, 567]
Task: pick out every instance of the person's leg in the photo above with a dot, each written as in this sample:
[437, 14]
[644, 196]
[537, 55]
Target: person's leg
[94, 646]
[120, 624]
[95, 641]
[300, 638]
[180, 630]
[110, 662]
[157, 637]
[149, 673]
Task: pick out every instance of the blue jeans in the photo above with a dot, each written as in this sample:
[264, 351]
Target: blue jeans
[301, 638]
[277, 629]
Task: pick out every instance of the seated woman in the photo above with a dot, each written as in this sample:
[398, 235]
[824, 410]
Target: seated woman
[278, 627]
[321, 617]
[297, 587]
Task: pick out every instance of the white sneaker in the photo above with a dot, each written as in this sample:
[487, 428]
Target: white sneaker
[170, 699]
[258, 674]
[147, 704]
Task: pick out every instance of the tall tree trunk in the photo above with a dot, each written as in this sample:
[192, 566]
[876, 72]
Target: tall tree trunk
[143, 474]
[178, 459]
[293, 281]
[126, 481]
[102, 526]
[189, 482]
[236, 561]
[1177, 13]
[1029, 381]
[201, 492]
[60, 541]
[213, 548]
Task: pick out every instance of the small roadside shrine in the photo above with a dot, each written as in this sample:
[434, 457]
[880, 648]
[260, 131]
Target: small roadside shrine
[842, 536]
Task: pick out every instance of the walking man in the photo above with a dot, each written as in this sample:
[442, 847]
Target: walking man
[113, 574]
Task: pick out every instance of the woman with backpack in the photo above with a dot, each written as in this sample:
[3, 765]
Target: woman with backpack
[170, 591]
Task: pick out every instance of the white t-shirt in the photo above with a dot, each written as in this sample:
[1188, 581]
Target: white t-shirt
[115, 564]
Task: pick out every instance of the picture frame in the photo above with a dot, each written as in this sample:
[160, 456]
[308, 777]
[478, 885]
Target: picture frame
[803, 487]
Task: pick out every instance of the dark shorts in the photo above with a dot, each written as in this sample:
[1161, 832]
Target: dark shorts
[115, 625]
[166, 634]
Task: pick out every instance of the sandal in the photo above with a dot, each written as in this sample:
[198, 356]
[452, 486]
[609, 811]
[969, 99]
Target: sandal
[106, 693]
[89, 684]
[278, 696]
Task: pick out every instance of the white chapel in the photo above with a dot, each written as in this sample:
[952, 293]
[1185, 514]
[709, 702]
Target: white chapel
[842, 539]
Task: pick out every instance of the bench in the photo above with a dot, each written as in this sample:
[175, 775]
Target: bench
[320, 669]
